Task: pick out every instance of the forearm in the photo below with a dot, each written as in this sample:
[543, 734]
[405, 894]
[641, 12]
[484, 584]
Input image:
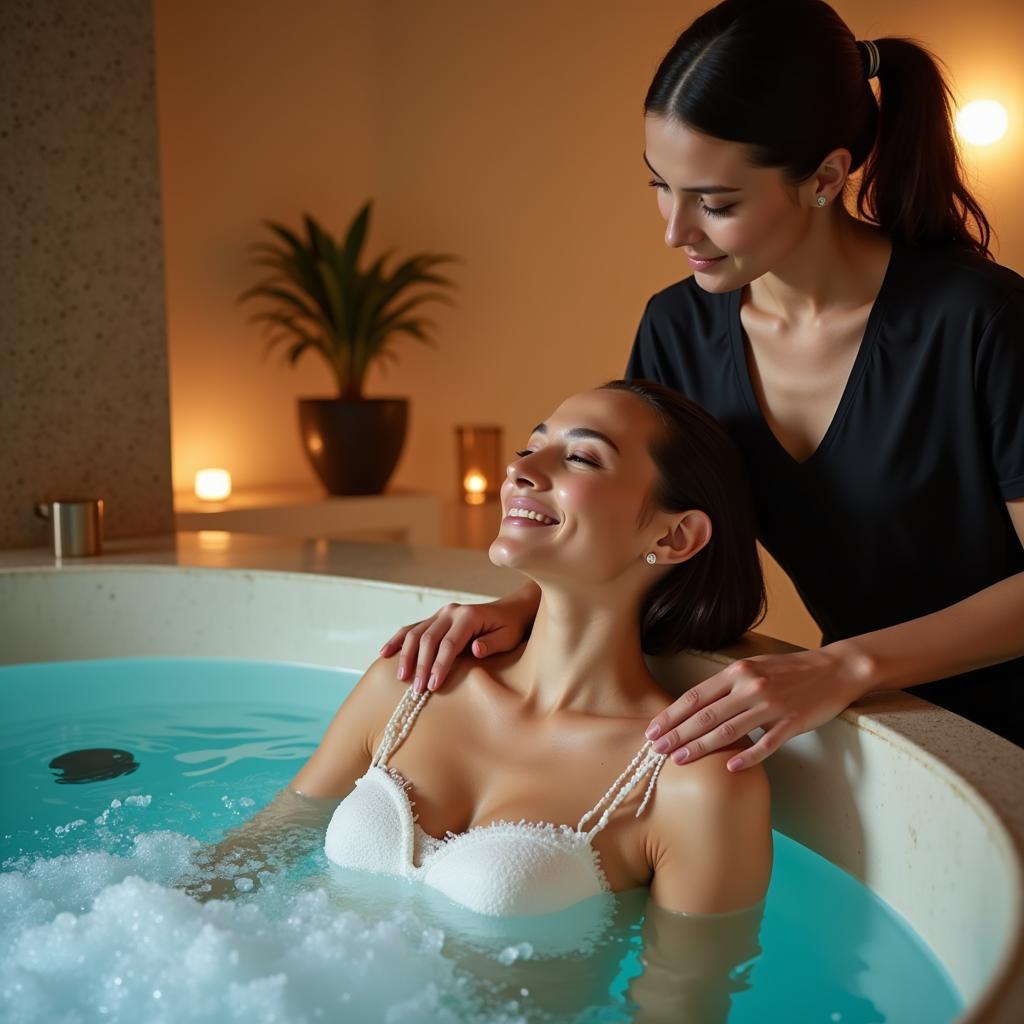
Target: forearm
[788, 694]
[984, 629]
[691, 964]
[278, 835]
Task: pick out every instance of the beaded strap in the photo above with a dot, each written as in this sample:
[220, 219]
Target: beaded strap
[646, 761]
[399, 725]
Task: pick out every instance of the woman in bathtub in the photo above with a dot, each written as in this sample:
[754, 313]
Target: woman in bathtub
[527, 785]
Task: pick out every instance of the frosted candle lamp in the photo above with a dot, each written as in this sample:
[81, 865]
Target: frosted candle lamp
[213, 484]
[479, 454]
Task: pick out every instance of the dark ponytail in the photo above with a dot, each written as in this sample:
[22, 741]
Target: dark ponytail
[913, 185]
[713, 598]
[787, 78]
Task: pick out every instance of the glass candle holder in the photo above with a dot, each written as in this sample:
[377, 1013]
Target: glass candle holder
[479, 462]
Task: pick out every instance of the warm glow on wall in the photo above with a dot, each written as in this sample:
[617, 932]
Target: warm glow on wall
[213, 484]
[982, 122]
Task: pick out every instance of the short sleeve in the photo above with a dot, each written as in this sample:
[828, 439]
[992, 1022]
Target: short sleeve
[999, 387]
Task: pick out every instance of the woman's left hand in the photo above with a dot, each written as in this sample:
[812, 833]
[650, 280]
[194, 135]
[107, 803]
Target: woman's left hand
[784, 694]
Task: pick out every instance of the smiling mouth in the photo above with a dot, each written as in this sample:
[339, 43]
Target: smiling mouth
[524, 516]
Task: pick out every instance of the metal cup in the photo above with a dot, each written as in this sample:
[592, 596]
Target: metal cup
[77, 525]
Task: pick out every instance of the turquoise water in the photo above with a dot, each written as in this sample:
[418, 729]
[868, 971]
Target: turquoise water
[93, 928]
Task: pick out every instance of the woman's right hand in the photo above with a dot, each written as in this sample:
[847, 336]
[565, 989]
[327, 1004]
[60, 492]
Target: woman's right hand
[429, 647]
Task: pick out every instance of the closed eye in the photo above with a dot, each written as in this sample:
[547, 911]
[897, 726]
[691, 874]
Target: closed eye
[711, 211]
[568, 458]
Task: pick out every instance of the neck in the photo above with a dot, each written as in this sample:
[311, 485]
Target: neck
[584, 654]
[834, 268]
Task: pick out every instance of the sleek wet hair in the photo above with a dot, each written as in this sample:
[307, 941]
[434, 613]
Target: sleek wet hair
[712, 598]
[787, 78]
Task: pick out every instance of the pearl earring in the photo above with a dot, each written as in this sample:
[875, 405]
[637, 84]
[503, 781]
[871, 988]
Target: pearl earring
[651, 558]
[821, 200]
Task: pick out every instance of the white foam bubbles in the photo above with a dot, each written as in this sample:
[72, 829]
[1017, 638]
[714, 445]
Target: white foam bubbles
[510, 954]
[94, 936]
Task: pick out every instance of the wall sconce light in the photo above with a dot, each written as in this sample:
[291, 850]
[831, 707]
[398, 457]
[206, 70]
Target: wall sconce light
[480, 470]
[213, 484]
[982, 122]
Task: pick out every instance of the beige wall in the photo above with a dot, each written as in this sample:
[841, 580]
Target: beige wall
[509, 134]
[83, 353]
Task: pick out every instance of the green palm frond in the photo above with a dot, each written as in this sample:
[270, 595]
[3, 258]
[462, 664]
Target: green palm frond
[317, 297]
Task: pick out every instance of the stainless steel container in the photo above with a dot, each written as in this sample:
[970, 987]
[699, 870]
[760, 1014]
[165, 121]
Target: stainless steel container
[76, 524]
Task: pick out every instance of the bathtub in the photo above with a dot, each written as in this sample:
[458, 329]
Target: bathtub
[926, 809]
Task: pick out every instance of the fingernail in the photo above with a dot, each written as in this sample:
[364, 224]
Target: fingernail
[401, 672]
[653, 731]
[432, 682]
[680, 755]
[661, 747]
[383, 648]
[481, 648]
[735, 764]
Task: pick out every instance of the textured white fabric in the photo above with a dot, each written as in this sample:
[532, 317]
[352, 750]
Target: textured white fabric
[504, 868]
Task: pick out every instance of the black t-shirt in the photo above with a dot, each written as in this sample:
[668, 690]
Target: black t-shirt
[901, 509]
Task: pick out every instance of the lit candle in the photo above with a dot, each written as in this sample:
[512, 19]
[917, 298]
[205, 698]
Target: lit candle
[213, 484]
[480, 469]
[475, 484]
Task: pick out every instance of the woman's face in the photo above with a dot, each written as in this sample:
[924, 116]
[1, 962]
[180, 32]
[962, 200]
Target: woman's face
[587, 472]
[717, 205]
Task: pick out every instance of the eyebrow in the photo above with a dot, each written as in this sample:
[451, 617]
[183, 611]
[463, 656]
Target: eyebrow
[542, 428]
[705, 189]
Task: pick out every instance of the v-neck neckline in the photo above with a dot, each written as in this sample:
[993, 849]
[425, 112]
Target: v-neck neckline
[867, 344]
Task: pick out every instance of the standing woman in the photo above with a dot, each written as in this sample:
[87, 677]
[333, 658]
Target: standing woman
[870, 368]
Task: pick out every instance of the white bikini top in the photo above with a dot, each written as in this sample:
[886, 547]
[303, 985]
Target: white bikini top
[504, 868]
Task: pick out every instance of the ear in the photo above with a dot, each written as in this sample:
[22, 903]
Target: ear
[828, 179]
[688, 533]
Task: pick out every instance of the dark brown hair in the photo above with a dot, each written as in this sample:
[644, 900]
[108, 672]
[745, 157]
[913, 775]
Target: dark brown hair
[787, 78]
[711, 599]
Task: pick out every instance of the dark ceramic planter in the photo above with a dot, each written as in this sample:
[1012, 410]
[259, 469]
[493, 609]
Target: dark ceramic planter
[353, 445]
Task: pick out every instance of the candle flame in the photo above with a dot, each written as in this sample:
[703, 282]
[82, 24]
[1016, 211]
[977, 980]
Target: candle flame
[474, 486]
[213, 484]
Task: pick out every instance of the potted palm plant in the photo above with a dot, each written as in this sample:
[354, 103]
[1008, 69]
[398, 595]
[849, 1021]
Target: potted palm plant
[321, 300]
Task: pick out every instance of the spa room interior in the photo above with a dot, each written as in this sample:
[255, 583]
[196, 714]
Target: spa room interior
[213, 517]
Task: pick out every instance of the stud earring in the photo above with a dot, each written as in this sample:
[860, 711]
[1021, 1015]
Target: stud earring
[651, 558]
[821, 200]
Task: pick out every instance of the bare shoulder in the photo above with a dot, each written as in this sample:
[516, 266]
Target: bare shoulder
[379, 691]
[345, 751]
[707, 784]
[380, 682]
[710, 835]
[473, 679]
[374, 699]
